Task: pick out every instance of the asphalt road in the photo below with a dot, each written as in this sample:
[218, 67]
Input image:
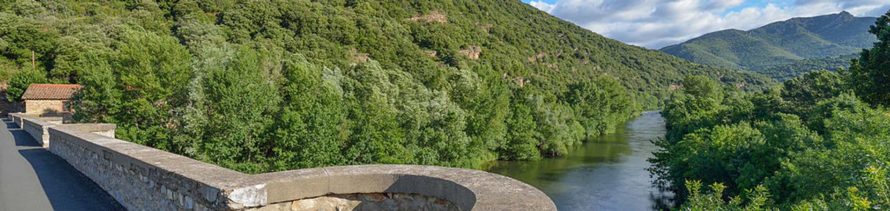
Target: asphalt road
[32, 178]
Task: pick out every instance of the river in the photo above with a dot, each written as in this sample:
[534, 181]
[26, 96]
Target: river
[605, 174]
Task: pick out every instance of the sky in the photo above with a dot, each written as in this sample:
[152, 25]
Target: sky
[658, 23]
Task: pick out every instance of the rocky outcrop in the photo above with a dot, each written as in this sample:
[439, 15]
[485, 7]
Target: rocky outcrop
[431, 17]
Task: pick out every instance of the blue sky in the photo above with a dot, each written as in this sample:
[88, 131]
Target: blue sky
[747, 4]
[658, 23]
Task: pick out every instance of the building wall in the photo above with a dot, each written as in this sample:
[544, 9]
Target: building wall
[41, 107]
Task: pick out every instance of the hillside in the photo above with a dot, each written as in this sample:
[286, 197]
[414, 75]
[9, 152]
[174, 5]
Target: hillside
[784, 72]
[272, 85]
[779, 43]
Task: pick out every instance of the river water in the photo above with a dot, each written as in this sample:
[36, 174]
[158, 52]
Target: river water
[605, 174]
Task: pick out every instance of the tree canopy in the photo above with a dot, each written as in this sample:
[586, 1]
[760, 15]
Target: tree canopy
[871, 73]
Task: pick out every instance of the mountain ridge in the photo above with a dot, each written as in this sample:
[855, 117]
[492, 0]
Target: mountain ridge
[779, 43]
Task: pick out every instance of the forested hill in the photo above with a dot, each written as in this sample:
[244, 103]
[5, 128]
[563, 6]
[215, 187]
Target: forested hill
[780, 43]
[284, 84]
[784, 72]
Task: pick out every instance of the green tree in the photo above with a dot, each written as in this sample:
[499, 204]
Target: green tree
[522, 143]
[238, 105]
[857, 138]
[100, 98]
[20, 82]
[557, 129]
[830, 160]
[870, 75]
[695, 107]
[800, 95]
[24, 41]
[484, 95]
[376, 135]
[599, 104]
[313, 128]
[149, 73]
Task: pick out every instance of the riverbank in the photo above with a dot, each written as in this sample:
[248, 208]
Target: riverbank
[604, 174]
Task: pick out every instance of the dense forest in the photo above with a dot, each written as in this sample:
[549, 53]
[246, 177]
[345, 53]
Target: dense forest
[783, 49]
[282, 84]
[817, 142]
[784, 72]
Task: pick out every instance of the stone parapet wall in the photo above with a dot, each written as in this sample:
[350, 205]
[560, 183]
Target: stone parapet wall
[38, 129]
[144, 178]
[52, 120]
[19, 118]
[106, 130]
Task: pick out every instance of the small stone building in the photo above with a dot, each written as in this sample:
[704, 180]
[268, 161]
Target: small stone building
[49, 99]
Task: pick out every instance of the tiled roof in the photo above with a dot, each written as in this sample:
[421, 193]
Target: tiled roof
[50, 91]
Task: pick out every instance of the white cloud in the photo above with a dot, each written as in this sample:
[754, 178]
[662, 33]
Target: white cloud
[543, 6]
[657, 23]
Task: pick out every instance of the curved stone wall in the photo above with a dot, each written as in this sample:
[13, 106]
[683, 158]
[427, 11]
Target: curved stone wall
[144, 178]
[366, 201]
[467, 189]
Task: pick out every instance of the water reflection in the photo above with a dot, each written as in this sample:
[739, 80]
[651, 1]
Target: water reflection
[606, 174]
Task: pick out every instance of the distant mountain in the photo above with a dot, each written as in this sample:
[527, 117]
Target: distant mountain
[779, 43]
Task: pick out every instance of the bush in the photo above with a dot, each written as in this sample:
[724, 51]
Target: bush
[20, 82]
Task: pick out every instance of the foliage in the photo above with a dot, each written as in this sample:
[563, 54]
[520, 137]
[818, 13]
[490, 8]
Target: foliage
[869, 75]
[313, 125]
[20, 82]
[810, 144]
[232, 104]
[713, 201]
[700, 99]
[273, 85]
[784, 72]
